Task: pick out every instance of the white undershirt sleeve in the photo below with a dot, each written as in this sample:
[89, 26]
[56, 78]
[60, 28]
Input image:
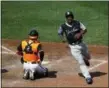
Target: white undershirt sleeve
[82, 26]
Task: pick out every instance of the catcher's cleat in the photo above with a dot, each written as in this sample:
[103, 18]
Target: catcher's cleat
[32, 75]
[26, 74]
[46, 73]
[89, 80]
[87, 62]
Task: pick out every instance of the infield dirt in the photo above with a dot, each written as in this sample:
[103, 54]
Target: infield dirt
[63, 68]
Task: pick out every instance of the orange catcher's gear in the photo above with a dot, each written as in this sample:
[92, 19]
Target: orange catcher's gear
[33, 56]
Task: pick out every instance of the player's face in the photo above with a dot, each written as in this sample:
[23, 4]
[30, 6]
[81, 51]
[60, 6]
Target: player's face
[69, 19]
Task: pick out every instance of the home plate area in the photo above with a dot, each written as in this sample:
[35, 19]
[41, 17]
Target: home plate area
[12, 69]
[65, 64]
[69, 66]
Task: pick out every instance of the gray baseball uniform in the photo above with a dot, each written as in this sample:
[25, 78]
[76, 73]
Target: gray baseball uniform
[78, 48]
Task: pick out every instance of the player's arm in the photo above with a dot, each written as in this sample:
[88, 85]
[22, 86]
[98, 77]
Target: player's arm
[82, 31]
[19, 50]
[61, 34]
[40, 52]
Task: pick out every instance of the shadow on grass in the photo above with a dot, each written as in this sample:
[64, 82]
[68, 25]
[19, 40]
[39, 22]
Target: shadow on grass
[94, 74]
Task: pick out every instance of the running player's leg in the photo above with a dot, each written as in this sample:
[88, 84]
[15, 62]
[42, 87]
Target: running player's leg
[76, 52]
[85, 53]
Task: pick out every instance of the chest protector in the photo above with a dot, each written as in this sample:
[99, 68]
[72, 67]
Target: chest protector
[28, 48]
[30, 52]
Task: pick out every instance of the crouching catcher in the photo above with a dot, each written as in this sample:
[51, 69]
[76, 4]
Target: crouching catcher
[32, 57]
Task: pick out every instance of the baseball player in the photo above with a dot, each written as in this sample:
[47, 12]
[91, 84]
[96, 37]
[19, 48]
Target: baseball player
[73, 31]
[32, 56]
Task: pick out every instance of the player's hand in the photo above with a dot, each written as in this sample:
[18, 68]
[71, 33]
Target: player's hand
[78, 36]
[39, 62]
[19, 53]
[64, 41]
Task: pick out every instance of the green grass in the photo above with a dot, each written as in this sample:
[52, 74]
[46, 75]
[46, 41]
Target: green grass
[19, 17]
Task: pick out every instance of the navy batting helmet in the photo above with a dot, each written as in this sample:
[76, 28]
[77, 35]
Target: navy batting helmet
[69, 13]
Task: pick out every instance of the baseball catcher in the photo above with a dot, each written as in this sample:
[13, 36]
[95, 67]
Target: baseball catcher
[74, 32]
[32, 56]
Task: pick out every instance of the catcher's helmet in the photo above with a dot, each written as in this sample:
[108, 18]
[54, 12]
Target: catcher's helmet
[33, 33]
[69, 13]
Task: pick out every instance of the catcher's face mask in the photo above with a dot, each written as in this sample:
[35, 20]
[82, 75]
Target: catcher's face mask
[33, 37]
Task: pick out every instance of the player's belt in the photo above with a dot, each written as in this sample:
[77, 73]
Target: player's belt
[75, 43]
[31, 62]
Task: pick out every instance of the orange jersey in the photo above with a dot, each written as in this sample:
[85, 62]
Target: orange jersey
[31, 57]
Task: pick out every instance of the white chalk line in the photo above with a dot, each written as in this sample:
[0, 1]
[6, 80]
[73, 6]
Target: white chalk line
[98, 65]
[8, 50]
[13, 82]
[5, 52]
[98, 60]
[47, 62]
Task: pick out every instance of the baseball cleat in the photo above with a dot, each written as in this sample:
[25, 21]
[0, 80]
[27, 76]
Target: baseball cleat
[89, 80]
[26, 74]
[87, 62]
[46, 73]
[32, 75]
